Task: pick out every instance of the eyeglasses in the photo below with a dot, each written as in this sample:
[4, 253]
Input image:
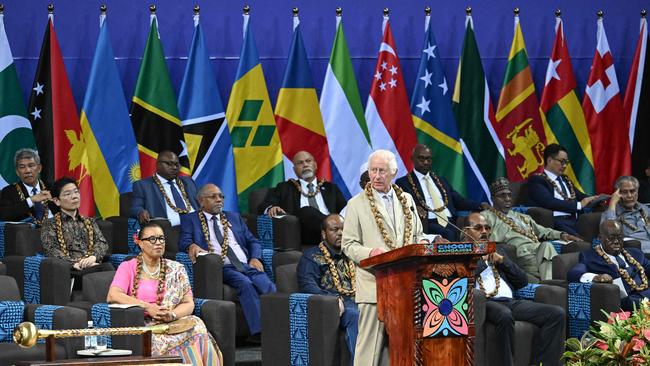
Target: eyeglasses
[155, 239]
[173, 164]
[479, 227]
[69, 193]
[561, 161]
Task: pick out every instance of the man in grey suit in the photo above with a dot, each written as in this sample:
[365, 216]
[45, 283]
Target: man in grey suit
[382, 207]
[165, 194]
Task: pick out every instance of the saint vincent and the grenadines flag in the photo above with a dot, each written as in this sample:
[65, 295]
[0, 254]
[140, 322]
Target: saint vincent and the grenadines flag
[53, 114]
[110, 142]
[204, 123]
[297, 114]
[435, 124]
[565, 121]
[154, 113]
[475, 115]
[518, 117]
[15, 130]
[258, 155]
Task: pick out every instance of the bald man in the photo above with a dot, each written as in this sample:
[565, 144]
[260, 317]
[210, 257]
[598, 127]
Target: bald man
[307, 198]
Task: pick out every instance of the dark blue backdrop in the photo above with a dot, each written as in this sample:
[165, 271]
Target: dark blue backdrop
[76, 24]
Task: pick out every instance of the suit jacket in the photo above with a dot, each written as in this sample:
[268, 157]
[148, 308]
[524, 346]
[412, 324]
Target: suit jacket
[455, 200]
[12, 208]
[287, 196]
[147, 196]
[590, 262]
[509, 271]
[361, 236]
[191, 233]
[541, 194]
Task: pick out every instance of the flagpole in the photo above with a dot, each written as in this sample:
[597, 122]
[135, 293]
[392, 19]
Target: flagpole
[195, 18]
[427, 17]
[468, 17]
[246, 13]
[102, 14]
[516, 12]
[50, 13]
[296, 20]
[339, 15]
[385, 21]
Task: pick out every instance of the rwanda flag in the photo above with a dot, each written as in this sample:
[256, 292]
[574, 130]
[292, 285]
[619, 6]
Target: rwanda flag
[435, 124]
[258, 156]
[154, 114]
[110, 142]
[297, 113]
[204, 123]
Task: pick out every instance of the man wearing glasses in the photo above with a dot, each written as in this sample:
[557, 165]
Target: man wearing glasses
[625, 208]
[499, 277]
[165, 194]
[553, 190]
[610, 263]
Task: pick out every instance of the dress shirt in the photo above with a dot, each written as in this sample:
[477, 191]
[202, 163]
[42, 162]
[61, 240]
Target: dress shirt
[30, 191]
[173, 216]
[304, 201]
[427, 197]
[589, 277]
[489, 284]
[635, 219]
[232, 242]
[557, 194]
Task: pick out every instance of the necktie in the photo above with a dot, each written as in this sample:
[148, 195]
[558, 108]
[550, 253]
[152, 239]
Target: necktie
[178, 200]
[312, 199]
[621, 262]
[389, 207]
[437, 202]
[229, 254]
[39, 208]
[562, 186]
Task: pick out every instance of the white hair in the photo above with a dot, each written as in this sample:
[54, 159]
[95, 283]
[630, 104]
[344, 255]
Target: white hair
[386, 155]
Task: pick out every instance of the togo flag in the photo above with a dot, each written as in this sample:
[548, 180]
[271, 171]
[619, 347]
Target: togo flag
[15, 129]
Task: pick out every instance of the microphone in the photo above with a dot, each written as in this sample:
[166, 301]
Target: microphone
[443, 218]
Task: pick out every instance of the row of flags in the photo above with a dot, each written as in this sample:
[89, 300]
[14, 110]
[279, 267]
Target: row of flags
[248, 145]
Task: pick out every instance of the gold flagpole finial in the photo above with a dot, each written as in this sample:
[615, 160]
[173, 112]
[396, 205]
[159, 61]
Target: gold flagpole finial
[50, 9]
[152, 9]
[558, 13]
[339, 11]
[516, 11]
[102, 9]
[468, 11]
[427, 10]
[295, 11]
[247, 9]
[2, 8]
[644, 13]
[600, 14]
[196, 10]
[386, 12]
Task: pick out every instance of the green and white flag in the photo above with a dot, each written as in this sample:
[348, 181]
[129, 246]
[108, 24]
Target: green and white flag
[15, 130]
[343, 118]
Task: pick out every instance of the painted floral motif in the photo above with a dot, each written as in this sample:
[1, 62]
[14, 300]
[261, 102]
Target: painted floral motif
[445, 311]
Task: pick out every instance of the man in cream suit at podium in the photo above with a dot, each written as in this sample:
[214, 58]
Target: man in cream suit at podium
[380, 218]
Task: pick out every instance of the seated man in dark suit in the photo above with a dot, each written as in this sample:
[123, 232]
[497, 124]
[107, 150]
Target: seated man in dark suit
[222, 232]
[499, 277]
[553, 190]
[165, 194]
[610, 263]
[307, 198]
[29, 197]
[437, 202]
[326, 270]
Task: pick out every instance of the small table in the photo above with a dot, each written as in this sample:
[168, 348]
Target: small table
[108, 361]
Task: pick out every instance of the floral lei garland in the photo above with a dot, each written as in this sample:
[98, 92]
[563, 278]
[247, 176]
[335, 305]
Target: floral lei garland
[572, 192]
[497, 281]
[508, 221]
[422, 201]
[88, 224]
[626, 276]
[168, 200]
[46, 210]
[643, 215]
[206, 234]
[349, 270]
[380, 225]
[296, 184]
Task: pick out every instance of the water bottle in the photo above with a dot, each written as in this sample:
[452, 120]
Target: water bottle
[90, 340]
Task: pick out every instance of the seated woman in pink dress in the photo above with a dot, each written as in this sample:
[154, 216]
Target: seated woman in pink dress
[162, 288]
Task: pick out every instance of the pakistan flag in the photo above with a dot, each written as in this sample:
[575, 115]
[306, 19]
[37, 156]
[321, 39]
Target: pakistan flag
[15, 130]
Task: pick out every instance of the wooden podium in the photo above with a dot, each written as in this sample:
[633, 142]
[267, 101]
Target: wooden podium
[424, 298]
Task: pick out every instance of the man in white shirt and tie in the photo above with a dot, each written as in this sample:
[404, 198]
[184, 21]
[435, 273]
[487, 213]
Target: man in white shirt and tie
[29, 197]
[307, 197]
[553, 190]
